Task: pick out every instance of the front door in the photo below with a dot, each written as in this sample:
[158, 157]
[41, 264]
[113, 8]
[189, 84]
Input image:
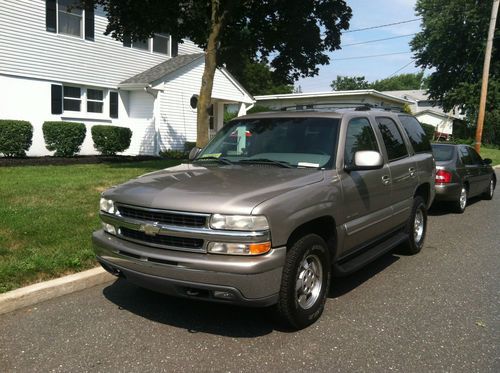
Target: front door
[366, 193]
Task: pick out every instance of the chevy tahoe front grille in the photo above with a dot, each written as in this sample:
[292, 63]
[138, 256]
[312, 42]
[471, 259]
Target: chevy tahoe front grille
[178, 219]
[180, 242]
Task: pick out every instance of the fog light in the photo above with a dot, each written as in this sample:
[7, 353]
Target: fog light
[239, 248]
[109, 228]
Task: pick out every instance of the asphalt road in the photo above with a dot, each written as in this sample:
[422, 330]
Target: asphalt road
[437, 311]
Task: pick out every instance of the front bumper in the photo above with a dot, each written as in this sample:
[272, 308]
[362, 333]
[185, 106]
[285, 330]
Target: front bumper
[245, 280]
[448, 192]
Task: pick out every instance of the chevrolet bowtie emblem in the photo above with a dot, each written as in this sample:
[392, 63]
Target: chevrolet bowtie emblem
[150, 229]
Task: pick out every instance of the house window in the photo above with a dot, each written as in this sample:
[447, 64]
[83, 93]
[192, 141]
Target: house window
[141, 44]
[69, 18]
[72, 99]
[113, 104]
[161, 44]
[95, 100]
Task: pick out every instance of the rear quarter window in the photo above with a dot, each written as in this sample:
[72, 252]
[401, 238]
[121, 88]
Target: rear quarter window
[442, 153]
[417, 135]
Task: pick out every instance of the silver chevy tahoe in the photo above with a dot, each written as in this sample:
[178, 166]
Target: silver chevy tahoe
[272, 208]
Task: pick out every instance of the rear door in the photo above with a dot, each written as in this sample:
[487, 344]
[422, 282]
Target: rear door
[367, 207]
[402, 167]
[480, 172]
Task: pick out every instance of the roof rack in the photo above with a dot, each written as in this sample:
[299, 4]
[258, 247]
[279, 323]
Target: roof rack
[336, 106]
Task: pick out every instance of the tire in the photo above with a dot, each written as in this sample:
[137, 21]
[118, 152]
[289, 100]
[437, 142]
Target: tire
[301, 302]
[488, 195]
[460, 205]
[416, 226]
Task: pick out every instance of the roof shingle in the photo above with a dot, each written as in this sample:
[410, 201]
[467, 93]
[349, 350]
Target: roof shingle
[163, 69]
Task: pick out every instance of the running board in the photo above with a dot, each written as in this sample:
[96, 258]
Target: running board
[355, 261]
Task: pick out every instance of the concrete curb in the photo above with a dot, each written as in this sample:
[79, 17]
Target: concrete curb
[42, 291]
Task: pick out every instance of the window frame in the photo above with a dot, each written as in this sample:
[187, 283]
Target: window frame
[64, 98]
[128, 43]
[395, 121]
[82, 22]
[349, 120]
[169, 44]
[88, 100]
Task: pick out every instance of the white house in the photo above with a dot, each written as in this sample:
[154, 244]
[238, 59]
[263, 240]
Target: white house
[333, 98]
[429, 111]
[57, 64]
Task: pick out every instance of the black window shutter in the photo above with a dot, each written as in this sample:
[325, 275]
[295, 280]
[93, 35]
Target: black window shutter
[175, 48]
[50, 15]
[89, 21]
[56, 99]
[113, 104]
[127, 41]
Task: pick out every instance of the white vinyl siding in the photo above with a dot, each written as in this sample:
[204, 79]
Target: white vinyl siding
[177, 121]
[27, 49]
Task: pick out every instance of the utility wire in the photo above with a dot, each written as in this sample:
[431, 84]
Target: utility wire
[398, 70]
[370, 56]
[386, 25]
[376, 40]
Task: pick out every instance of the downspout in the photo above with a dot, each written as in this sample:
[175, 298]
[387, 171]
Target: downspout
[148, 89]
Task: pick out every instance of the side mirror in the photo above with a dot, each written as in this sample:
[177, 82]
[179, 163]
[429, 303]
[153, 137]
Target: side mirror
[366, 160]
[487, 161]
[194, 152]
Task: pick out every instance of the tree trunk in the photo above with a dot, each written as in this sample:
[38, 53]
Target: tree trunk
[207, 81]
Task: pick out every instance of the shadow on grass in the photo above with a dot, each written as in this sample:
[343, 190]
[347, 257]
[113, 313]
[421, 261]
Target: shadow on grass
[221, 319]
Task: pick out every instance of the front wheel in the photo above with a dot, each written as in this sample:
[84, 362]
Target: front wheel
[491, 190]
[416, 226]
[305, 282]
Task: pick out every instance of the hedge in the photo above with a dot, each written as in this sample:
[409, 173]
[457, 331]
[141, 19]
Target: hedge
[110, 140]
[15, 137]
[429, 130]
[64, 137]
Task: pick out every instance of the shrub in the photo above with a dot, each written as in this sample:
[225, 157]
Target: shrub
[429, 130]
[64, 137]
[15, 137]
[188, 145]
[110, 140]
[174, 154]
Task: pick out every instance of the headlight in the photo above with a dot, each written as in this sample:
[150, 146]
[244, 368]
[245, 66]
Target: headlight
[239, 248]
[239, 222]
[107, 205]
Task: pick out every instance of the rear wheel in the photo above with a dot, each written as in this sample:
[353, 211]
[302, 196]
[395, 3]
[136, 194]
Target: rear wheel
[417, 226]
[460, 205]
[491, 190]
[305, 282]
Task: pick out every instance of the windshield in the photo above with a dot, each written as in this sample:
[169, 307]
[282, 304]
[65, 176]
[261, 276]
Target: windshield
[294, 142]
[442, 152]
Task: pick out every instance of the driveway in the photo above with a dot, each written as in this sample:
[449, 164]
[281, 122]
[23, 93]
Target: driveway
[436, 311]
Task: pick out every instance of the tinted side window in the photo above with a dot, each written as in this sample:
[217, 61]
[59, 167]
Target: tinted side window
[416, 133]
[360, 136]
[465, 156]
[476, 158]
[393, 139]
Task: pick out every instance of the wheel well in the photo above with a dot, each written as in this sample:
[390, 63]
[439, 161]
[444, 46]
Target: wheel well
[323, 227]
[424, 191]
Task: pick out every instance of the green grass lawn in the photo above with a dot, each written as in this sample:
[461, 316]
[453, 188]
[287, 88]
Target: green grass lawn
[493, 154]
[47, 215]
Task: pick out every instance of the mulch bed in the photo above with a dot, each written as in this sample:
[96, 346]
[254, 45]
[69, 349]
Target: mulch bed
[84, 159]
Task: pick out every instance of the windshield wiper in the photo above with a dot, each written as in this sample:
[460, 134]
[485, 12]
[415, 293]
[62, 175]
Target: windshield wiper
[267, 161]
[220, 160]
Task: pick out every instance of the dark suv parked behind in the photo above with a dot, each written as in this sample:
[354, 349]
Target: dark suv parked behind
[272, 207]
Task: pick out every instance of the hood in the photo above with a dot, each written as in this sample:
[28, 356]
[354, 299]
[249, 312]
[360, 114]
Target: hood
[227, 189]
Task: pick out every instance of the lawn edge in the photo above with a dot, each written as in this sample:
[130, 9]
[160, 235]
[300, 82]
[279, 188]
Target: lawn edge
[36, 293]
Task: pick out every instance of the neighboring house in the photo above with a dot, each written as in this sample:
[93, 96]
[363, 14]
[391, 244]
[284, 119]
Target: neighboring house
[429, 112]
[57, 64]
[333, 98]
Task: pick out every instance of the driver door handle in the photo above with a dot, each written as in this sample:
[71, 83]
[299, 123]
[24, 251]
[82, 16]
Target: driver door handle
[386, 180]
[411, 170]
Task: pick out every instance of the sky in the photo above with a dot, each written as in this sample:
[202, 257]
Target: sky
[367, 13]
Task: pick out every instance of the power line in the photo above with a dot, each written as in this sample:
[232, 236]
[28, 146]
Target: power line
[398, 70]
[376, 40]
[385, 25]
[370, 56]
